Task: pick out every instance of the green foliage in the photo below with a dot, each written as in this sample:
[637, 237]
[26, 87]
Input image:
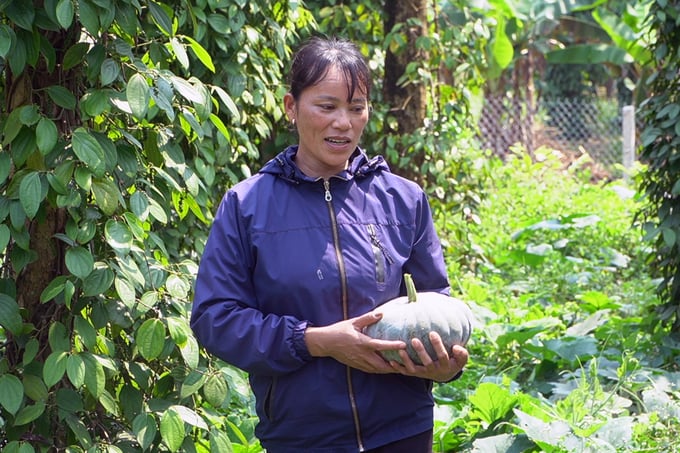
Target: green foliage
[122, 123]
[660, 142]
[565, 355]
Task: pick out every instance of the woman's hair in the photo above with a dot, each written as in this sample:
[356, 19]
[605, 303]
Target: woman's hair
[312, 61]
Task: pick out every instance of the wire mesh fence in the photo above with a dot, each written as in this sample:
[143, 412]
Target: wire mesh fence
[571, 126]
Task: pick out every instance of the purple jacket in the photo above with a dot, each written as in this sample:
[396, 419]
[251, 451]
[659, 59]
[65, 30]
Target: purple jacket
[287, 251]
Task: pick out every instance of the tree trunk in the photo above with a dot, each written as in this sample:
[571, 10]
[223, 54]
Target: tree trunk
[408, 102]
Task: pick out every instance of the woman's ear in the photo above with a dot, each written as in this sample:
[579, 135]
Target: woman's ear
[289, 106]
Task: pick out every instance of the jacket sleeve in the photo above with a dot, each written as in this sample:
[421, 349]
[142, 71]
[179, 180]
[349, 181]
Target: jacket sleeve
[225, 317]
[426, 263]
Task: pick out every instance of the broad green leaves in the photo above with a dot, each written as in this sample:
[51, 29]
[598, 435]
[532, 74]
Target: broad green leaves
[127, 122]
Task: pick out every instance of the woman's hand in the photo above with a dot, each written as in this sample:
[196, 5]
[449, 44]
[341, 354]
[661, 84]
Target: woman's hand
[443, 369]
[345, 342]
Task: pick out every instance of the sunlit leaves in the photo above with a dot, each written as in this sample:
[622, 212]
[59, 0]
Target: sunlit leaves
[121, 143]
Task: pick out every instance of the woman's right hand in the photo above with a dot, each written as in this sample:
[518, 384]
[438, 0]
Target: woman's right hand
[345, 342]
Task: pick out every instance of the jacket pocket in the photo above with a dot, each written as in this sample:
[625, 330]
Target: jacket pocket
[381, 257]
[269, 399]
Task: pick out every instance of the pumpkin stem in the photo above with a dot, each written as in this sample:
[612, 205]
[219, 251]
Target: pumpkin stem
[410, 288]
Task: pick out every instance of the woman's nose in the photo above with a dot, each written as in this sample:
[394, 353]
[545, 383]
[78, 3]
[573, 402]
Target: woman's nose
[342, 120]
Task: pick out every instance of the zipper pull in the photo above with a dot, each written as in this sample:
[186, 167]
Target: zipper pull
[327, 185]
[376, 242]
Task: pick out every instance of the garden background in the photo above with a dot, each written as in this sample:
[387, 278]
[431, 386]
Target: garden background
[123, 122]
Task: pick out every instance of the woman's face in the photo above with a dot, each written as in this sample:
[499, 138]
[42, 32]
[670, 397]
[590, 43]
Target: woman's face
[329, 127]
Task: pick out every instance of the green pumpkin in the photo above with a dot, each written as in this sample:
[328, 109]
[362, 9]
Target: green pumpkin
[418, 314]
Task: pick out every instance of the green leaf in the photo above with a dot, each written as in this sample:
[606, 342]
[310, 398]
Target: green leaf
[6, 37]
[65, 13]
[229, 103]
[53, 289]
[79, 262]
[178, 329]
[215, 390]
[220, 442]
[75, 54]
[22, 13]
[86, 332]
[192, 383]
[502, 46]
[29, 115]
[10, 318]
[98, 282]
[187, 90]
[190, 352]
[4, 237]
[58, 337]
[95, 378]
[172, 429]
[669, 237]
[29, 414]
[75, 370]
[161, 18]
[89, 151]
[109, 71]
[492, 402]
[89, 17]
[30, 351]
[202, 54]
[80, 431]
[125, 291]
[180, 52]
[46, 135]
[62, 97]
[106, 195]
[35, 388]
[55, 367]
[138, 95]
[151, 339]
[145, 429]
[31, 194]
[118, 236]
[5, 166]
[139, 204]
[11, 393]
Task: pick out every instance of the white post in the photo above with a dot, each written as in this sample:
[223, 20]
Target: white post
[628, 137]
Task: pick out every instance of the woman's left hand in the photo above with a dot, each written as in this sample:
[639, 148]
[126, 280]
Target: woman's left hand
[447, 365]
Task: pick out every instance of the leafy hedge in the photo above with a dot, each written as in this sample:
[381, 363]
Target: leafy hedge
[660, 144]
[122, 123]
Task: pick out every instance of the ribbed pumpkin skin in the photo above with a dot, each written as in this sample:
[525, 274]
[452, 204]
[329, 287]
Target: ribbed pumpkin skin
[431, 312]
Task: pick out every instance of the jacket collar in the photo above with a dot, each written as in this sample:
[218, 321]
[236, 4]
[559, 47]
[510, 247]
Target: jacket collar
[284, 166]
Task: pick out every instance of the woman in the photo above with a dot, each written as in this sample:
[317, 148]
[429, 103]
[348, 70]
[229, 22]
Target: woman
[298, 261]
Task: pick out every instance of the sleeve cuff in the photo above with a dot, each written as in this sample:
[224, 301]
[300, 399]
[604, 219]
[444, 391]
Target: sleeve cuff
[299, 340]
[455, 378]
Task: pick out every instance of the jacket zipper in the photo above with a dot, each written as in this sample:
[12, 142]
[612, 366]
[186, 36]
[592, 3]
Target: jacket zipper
[345, 310]
[380, 253]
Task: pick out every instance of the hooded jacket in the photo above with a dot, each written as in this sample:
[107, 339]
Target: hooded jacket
[287, 251]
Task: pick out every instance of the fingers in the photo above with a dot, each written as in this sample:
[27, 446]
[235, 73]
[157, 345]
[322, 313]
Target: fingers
[367, 319]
